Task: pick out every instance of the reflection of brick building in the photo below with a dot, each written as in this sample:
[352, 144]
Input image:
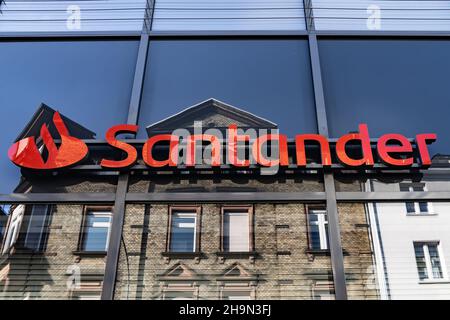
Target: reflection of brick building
[300, 66]
[282, 252]
[282, 265]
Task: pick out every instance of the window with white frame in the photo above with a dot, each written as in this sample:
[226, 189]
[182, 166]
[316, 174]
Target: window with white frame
[183, 231]
[13, 230]
[429, 260]
[415, 207]
[236, 230]
[318, 229]
[37, 224]
[96, 231]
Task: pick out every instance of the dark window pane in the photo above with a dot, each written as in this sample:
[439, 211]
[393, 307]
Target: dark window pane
[3, 222]
[235, 231]
[327, 236]
[271, 79]
[313, 218]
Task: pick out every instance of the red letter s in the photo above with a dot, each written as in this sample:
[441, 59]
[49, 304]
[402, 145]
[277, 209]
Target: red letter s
[129, 149]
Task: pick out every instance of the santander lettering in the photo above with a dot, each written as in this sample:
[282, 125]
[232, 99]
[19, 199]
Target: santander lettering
[392, 149]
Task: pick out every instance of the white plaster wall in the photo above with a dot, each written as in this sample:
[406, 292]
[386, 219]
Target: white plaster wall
[398, 231]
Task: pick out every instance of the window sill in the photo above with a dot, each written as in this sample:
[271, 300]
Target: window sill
[182, 255]
[421, 214]
[436, 281]
[90, 253]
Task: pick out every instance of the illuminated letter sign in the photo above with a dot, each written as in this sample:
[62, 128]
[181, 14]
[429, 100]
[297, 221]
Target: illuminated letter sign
[392, 149]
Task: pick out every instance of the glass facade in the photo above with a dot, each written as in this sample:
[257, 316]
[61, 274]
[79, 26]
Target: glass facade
[86, 80]
[225, 232]
[254, 75]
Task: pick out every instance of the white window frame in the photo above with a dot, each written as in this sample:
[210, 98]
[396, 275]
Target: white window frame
[87, 291]
[179, 295]
[87, 295]
[183, 288]
[184, 214]
[322, 222]
[428, 264]
[417, 211]
[100, 213]
[237, 294]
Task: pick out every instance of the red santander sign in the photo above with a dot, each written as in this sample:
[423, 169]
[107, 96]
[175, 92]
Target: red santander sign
[392, 149]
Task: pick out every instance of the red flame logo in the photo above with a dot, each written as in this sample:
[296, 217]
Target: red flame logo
[25, 152]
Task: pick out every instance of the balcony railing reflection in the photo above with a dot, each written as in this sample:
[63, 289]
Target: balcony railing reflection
[223, 16]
